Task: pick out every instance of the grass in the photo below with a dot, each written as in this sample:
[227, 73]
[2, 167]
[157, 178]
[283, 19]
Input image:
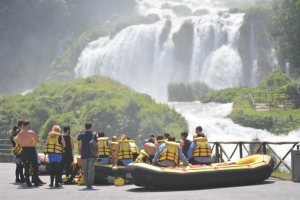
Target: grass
[275, 121]
[282, 175]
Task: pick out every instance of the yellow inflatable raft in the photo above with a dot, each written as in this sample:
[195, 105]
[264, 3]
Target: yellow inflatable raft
[248, 170]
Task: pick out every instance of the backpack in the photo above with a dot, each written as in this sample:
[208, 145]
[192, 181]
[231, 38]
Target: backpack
[93, 147]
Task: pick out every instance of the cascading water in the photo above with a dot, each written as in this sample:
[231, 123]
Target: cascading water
[136, 57]
[217, 128]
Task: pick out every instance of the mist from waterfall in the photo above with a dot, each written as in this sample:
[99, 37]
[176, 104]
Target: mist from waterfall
[211, 116]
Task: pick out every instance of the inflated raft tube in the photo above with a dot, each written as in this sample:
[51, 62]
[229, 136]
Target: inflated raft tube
[106, 173]
[248, 170]
[44, 167]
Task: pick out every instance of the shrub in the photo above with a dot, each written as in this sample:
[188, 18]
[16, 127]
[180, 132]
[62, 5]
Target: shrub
[112, 107]
[200, 12]
[236, 10]
[182, 10]
[187, 91]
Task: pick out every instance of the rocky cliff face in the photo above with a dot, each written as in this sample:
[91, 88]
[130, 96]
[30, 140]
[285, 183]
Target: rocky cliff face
[255, 47]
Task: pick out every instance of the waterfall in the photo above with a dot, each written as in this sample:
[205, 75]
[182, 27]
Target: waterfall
[136, 57]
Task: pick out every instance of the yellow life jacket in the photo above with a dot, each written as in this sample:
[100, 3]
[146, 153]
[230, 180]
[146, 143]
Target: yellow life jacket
[52, 145]
[134, 148]
[104, 150]
[17, 149]
[124, 150]
[160, 142]
[170, 152]
[202, 149]
[143, 157]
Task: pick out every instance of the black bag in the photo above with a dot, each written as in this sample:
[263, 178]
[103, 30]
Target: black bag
[93, 147]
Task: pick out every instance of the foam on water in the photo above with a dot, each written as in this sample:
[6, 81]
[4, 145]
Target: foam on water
[217, 128]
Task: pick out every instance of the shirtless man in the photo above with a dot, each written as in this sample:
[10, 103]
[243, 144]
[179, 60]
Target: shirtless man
[25, 139]
[150, 148]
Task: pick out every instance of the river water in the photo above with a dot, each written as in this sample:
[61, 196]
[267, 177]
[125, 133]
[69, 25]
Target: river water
[217, 128]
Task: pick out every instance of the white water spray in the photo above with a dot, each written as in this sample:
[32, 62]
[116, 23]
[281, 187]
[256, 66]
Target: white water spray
[135, 57]
[217, 128]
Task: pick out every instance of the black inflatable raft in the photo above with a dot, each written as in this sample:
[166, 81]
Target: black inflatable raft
[105, 174]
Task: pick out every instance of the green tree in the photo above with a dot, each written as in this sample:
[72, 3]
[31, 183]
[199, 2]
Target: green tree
[286, 32]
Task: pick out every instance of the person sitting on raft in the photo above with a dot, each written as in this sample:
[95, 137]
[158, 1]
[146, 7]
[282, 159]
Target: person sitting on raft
[152, 135]
[114, 144]
[200, 151]
[105, 149]
[159, 140]
[123, 151]
[169, 154]
[134, 148]
[150, 148]
[166, 136]
[185, 143]
[198, 130]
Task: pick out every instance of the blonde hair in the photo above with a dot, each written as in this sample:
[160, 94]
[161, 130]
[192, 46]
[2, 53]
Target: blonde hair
[123, 137]
[56, 128]
[114, 138]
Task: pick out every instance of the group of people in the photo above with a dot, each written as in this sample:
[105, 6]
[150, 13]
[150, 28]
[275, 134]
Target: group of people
[170, 152]
[162, 150]
[59, 147]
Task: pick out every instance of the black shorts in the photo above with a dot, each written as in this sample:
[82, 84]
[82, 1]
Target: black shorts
[194, 162]
[29, 154]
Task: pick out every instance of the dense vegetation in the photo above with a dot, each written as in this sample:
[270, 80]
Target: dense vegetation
[285, 30]
[187, 91]
[111, 107]
[276, 20]
[34, 32]
[275, 121]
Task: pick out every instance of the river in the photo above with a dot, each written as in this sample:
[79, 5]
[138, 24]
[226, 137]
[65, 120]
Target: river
[211, 116]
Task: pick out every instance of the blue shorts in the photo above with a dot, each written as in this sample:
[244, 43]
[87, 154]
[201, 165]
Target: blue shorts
[103, 161]
[38, 159]
[16, 161]
[126, 161]
[55, 157]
